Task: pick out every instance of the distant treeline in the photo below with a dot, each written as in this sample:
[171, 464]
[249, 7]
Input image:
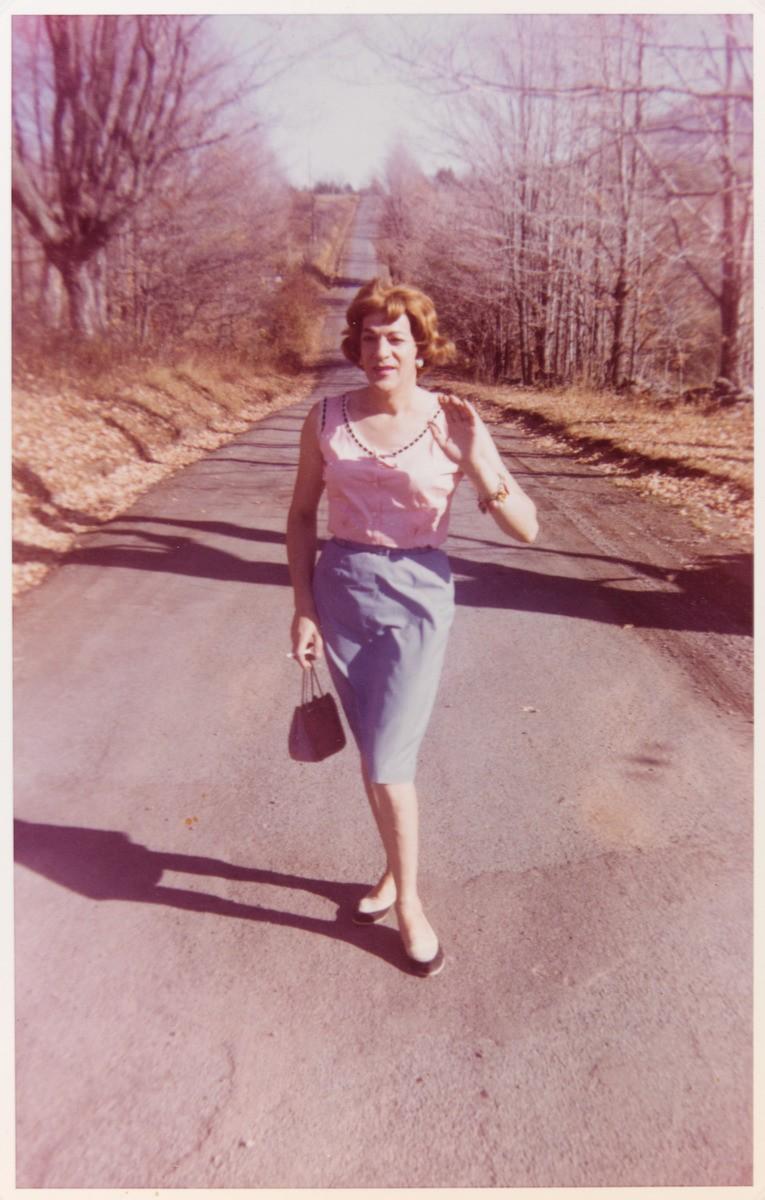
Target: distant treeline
[326, 187]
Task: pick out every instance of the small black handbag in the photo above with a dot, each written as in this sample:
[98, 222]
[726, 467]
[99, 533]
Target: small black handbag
[315, 731]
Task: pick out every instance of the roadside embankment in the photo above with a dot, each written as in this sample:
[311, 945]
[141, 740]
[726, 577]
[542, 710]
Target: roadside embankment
[84, 453]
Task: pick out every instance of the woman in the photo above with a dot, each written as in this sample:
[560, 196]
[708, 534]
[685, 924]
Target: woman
[380, 599]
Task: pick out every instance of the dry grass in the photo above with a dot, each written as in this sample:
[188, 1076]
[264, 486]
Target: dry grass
[698, 458]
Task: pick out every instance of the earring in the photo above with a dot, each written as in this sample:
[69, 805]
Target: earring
[419, 362]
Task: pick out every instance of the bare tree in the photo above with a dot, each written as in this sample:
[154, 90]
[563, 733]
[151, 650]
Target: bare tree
[103, 109]
[710, 209]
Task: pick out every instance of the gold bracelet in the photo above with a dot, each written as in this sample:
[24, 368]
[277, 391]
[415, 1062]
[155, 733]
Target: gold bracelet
[497, 497]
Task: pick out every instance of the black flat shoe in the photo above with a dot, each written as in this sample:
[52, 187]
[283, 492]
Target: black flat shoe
[359, 917]
[431, 967]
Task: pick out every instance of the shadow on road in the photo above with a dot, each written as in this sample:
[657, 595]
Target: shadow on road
[689, 603]
[104, 864]
[710, 595]
[177, 556]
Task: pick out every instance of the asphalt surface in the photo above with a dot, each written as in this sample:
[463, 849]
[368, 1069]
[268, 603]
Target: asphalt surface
[194, 1006]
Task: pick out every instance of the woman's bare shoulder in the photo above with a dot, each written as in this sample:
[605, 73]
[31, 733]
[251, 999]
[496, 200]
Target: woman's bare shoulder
[312, 424]
[326, 401]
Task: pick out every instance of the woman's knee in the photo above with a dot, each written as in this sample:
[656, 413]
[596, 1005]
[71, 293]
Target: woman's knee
[397, 795]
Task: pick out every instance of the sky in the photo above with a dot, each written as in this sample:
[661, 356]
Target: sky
[336, 112]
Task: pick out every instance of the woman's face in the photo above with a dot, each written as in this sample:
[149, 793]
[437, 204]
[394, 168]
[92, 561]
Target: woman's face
[388, 351]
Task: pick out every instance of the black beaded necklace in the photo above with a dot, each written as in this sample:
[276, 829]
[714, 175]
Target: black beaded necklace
[388, 453]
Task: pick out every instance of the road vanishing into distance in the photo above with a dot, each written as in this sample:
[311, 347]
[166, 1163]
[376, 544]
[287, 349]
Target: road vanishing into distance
[195, 1008]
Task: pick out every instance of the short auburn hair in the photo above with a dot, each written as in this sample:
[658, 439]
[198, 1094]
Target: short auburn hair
[393, 300]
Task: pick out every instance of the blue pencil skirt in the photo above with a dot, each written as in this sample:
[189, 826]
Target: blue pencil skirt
[385, 617]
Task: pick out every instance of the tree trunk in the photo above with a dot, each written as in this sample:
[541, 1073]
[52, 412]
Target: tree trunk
[523, 343]
[730, 288]
[729, 322]
[541, 328]
[619, 294]
[19, 272]
[80, 293]
[50, 301]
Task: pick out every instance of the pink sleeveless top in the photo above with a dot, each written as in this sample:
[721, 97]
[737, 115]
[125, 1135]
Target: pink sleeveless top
[400, 500]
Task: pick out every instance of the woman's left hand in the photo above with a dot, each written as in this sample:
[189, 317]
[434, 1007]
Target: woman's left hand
[467, 440]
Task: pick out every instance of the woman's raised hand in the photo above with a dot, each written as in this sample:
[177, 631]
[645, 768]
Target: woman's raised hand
[465, 442]
[307, 642]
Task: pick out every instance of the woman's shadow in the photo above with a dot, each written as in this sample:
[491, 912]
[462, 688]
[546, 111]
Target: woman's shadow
[106, 865]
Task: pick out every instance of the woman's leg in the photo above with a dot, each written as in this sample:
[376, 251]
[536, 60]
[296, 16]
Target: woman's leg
[399, 829]
[384, 892]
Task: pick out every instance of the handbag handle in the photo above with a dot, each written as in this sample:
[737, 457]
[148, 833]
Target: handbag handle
[310, 686]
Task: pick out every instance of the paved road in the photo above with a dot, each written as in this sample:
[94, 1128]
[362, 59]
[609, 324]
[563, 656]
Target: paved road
[195, 1009]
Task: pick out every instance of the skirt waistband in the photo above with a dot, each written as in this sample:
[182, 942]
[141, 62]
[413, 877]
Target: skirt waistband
[374, 549]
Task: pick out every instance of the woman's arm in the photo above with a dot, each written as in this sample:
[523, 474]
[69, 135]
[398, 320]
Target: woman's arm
[470, 444]
[513, 511]
[301, 542]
